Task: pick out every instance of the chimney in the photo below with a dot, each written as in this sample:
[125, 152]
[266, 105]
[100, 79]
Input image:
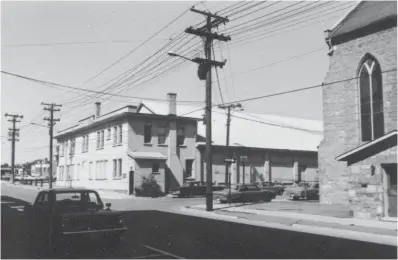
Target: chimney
[97, 109]
[172, 98]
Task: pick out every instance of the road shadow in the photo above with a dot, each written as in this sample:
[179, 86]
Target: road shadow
[205, 238]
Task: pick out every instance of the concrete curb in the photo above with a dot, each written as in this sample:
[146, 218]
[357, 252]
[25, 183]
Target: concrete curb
[342, 221]
[333, 232]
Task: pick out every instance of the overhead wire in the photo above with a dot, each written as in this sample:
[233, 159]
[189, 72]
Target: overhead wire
[290, 24]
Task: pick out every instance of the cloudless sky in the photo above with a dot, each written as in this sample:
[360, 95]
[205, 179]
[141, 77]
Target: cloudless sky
[122, 26]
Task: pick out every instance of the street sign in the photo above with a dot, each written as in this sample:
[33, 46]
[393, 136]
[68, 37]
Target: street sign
[230, 160]
[243, 158]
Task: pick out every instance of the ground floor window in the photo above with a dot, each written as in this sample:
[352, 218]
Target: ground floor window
[188, 168]
[117, 168]
[101, 168]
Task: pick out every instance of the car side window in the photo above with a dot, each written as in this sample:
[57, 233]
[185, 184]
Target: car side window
[39, 199]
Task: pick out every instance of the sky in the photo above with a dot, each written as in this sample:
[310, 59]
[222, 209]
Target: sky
[71, 42]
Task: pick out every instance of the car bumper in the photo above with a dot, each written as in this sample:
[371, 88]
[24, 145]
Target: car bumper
[96, 231]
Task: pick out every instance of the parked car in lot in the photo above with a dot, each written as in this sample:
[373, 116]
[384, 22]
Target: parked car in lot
[59, 217]
[193, 188]
[304, 190]
[272, 186]
[243, 193]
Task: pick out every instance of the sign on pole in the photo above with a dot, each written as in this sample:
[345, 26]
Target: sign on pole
[230, 160]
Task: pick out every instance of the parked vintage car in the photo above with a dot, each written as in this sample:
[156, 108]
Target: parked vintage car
[193, 188]
[304, 190]
[272, 186]
[59, 217]
[243, 193]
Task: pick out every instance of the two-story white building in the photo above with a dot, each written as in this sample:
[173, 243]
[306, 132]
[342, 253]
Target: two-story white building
[115, 150]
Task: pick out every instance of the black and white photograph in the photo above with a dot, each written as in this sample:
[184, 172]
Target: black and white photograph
[199, 129]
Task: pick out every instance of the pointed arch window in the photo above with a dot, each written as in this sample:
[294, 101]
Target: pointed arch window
[371, 100]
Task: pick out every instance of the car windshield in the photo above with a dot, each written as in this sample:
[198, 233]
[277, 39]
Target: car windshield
[233, 187]
[303, 184]
[86, 199]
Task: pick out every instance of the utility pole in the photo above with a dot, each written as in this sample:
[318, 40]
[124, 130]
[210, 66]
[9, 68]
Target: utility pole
[229, 107]
[204, 72]
[13, 133]
[51, 123]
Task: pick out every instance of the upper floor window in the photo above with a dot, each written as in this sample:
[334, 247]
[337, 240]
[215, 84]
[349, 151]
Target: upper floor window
[371, 100]
[117, 134]
[72, 146]
[147, 133]
[161, 135]
[85, 143]
[108, 136]
[180, 135]
[120, 134]
[62, 149]
[100, 139]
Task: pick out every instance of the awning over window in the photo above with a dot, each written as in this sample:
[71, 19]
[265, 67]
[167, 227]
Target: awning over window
[147, 155]
[373, 147]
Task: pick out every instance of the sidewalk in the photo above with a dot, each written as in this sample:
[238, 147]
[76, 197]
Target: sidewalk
[360, 229]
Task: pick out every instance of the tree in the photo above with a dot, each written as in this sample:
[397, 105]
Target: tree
[5, 165]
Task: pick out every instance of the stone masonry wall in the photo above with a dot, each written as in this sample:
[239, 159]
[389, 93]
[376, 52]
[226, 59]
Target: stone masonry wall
[365, 190]
[341, 107]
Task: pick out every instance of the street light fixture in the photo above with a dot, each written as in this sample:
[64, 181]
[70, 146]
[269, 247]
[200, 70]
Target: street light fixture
[172, 54]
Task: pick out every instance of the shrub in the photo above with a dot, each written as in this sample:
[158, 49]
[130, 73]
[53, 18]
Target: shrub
[148, 188]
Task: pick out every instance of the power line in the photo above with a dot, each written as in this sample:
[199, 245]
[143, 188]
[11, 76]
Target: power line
[136, 48]
[92, 91]
[68, 43]
[289, 24]
[287, 92]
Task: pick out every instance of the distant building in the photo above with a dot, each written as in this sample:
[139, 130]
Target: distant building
[40, 168]
[358, 155]
[266, 147]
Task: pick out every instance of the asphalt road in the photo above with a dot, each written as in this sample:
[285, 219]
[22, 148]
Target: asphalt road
[155, 234]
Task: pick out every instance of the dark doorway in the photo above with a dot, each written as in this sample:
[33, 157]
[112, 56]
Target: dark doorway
[131, 182]
[188, 169]
[391, 171]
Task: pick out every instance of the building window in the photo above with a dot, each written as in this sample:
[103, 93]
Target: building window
[371, 100]
[72, 146]
[87, 140]
[62, 149]
[180, 135]
[78, 172]
[114, 168]
[85, 143]
[102, 138]
[120, 134]
[188, 168]
[117, 168]
[147, 133]
[108, 137]
[115, 135]
[155, 168]
[98, 140]
[90, 171]
[161, 135]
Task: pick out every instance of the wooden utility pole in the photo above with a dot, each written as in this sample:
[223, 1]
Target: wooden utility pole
[13, 133]
[229, 107]
[204, 72]
[51, 123]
